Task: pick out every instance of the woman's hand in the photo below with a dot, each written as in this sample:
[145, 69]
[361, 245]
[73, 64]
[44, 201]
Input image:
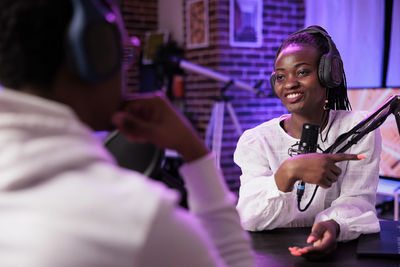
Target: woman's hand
[323, 236]
[152, 118]
[313, 168]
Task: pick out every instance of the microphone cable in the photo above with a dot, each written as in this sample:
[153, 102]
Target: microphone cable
[308, 144]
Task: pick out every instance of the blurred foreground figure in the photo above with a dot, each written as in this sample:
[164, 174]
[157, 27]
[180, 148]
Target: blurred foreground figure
[64, 201]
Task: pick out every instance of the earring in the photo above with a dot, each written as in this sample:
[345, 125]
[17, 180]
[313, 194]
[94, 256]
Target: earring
[326, 106]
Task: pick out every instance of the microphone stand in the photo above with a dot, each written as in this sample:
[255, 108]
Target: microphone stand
[189, 66]
[372, 122]
[213, 137]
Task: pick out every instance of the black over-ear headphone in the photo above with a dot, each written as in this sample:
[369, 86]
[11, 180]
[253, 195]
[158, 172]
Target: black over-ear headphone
[94, 47]
[330, 69]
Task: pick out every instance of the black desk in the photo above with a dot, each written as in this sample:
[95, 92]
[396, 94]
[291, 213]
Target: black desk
[271, 249]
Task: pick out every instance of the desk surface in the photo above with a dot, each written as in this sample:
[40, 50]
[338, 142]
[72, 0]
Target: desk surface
[271, 249]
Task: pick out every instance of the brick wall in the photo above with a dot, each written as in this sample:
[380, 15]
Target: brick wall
[139, 17]
[280, 18]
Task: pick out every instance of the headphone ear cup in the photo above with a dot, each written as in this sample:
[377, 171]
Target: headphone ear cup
[94, 47]
[272, 80]
[330, 71]
[322, 71]
[336, 70]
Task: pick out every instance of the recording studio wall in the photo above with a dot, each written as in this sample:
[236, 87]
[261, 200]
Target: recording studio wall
[280, 18]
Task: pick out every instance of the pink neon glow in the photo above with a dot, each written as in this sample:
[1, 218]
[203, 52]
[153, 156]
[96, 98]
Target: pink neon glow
[110, 17]
[135, 41]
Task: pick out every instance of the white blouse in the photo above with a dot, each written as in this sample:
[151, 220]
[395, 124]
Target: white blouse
[350, 201]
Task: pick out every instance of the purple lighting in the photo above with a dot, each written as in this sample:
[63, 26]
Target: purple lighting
[110, 17]
[135, 41]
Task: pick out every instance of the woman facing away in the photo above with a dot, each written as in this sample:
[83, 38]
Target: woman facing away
[309, 80]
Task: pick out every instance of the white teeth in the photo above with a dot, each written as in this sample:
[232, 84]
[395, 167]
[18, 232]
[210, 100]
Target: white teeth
[293, 95]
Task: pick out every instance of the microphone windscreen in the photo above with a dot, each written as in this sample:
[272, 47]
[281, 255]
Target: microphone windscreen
[309, 138]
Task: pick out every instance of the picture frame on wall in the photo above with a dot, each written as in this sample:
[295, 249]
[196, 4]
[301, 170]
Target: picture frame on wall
[197, 24]
[153, 40]
[245, 23]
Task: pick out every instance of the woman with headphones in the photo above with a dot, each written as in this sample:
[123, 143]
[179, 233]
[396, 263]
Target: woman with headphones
[309, 80]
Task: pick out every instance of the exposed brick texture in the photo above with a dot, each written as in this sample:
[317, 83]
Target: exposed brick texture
[139, 17]
[280, 18]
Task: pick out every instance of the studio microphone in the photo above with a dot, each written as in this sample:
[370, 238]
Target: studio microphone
[308, 144]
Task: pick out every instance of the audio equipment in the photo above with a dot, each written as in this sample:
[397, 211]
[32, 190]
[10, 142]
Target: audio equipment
[308, 144]
[93, 41]
[309, 136]
[330, 68]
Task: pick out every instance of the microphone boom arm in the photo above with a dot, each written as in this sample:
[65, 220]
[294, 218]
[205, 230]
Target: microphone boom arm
[186, 65]
[373, 122]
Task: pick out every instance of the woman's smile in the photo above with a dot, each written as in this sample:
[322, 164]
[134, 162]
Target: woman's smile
[294, 97]
[297, 83]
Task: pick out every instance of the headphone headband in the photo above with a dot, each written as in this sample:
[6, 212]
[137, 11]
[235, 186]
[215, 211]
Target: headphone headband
[330, 68]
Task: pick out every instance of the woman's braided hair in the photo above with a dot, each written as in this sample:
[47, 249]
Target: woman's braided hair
[337, 96]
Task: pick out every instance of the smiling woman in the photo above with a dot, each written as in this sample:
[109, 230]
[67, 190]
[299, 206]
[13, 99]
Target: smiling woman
[296, 65]
[309, 80]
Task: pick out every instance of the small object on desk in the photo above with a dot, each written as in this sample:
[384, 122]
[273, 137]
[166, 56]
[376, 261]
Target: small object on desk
[383, 244]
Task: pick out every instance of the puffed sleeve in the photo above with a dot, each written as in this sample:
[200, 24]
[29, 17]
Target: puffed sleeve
[354, 209]
[261, 205]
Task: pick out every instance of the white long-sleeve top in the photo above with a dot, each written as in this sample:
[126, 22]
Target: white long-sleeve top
[64, 202]
[350, 201]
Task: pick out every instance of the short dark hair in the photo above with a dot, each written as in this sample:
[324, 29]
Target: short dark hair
[32, 41]
[337, 97]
